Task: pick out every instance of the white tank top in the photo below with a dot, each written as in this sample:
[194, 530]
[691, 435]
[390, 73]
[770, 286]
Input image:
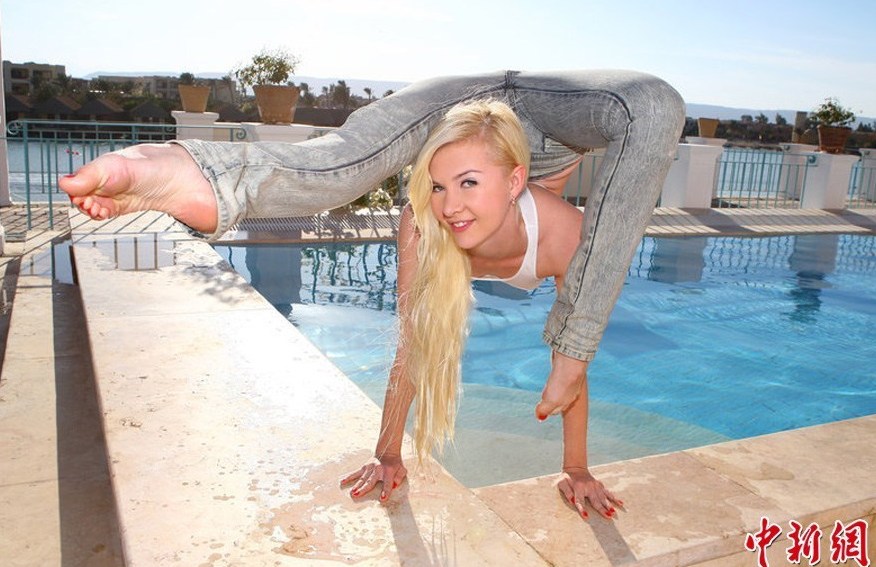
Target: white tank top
[526, 277]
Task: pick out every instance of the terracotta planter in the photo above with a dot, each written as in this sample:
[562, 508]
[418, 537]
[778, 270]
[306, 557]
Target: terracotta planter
[276, 103]
[832, 139]
[707, 127]
[194, 97]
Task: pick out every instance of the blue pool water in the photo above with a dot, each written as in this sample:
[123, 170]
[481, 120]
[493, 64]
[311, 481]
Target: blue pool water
[734, 337]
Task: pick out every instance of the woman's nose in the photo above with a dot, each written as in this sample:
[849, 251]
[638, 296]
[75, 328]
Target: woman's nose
[452, 202]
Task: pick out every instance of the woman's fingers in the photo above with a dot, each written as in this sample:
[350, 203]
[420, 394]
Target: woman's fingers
[365, 484]
[392, 479]
[356, 475]
[569, 494]
[578, 488]
[600, 503]
[388, 472]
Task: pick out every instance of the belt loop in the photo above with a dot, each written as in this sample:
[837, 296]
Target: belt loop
[509, 76]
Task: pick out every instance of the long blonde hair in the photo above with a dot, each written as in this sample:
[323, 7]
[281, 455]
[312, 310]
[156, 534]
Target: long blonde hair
[436, 324]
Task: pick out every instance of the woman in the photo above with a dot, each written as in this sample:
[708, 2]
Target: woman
[636, 117]
[471, 215]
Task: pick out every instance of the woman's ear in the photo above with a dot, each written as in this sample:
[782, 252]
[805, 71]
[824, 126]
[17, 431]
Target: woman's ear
[518, 181]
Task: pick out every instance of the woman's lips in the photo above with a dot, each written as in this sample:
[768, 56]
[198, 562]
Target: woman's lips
[459, 226]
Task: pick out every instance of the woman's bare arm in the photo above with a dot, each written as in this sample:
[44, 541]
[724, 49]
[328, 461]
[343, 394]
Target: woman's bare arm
[387, 467]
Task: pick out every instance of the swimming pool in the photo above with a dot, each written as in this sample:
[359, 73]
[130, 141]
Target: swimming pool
[712, 339]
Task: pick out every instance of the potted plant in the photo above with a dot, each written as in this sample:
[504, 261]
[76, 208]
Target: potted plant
[268, 74]
[832, 121]
[192, 93]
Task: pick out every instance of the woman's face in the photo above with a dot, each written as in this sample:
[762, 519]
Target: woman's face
[471, 194]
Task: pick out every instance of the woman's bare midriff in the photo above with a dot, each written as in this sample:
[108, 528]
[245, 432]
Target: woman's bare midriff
[555, 182]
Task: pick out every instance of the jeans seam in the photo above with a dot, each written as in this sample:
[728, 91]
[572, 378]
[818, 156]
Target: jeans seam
[596, 219]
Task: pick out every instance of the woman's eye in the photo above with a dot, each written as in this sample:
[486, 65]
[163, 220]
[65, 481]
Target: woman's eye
[437, 188]
[469, 183]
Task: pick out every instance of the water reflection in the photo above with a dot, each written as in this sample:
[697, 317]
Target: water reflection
[361, 275]
[813, 258]
[275, 271]
[147, 252]
[675, 260]
[136, 253]
[810, 258]
[364, 274]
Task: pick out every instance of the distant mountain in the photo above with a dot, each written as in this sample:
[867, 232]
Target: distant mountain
[695, 110]
[728, 113]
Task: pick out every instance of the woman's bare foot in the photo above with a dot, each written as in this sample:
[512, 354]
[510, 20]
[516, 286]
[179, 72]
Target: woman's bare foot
[158, 177]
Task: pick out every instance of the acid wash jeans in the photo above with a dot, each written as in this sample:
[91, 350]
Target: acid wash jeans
[637, 118]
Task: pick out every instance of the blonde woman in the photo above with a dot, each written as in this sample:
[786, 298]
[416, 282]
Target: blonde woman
[472, 214]
[636, 117]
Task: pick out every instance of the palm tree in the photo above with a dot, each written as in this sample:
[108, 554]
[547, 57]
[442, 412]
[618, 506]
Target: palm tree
[341, 95]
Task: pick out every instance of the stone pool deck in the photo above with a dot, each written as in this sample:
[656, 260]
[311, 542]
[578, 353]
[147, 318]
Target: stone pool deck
[161, 412]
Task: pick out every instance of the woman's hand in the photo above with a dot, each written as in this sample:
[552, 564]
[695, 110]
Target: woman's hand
[563, 385]
[388, 470]
[577, 484]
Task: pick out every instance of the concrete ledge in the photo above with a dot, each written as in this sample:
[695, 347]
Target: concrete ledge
[227, 431]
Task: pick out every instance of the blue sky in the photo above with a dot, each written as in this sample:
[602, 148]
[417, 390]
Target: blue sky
[765, 54]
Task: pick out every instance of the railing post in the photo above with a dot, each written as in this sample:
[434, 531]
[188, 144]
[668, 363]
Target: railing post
[578, 186]
[199, 119]
[690, 182]
[864, 186]
[5, 199]
[827, 181]
[259, 132]
[794, 163]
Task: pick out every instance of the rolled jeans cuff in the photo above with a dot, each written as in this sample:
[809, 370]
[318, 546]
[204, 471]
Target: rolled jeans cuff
[571, 352]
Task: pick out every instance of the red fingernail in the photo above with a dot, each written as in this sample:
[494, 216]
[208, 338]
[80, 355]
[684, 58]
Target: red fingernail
[69, 175]
[572, 500]
[394, 484]
[584, 514]
[542, 417]
[383, 495]
[355, 493]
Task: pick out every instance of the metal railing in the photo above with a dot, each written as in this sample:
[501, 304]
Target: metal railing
[41, 151]
[862, 185]
[760, 178]
[744, 177]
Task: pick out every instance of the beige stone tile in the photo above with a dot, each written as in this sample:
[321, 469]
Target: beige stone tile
[676, 512]
[39, 327]
[45, 521]
[31, 530]
[227, 434]
[145, 221]
[28, 421]
[803, 471]
[198, 281]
